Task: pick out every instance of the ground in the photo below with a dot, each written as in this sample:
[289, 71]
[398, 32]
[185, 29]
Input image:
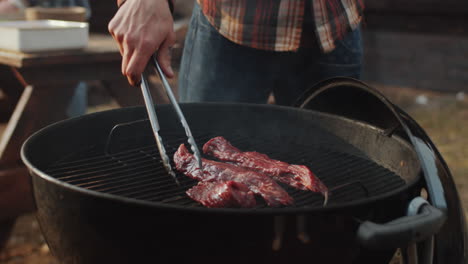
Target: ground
[443, 116]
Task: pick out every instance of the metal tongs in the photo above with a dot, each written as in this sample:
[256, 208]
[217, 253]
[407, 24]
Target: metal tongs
[154, 119]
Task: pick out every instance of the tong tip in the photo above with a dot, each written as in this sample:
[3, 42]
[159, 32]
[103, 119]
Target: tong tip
[325, 198]
[200, 164]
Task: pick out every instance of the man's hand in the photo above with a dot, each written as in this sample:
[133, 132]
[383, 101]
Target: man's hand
[142, 27]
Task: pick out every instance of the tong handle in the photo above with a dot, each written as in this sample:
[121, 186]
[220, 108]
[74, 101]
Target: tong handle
[149, 103]
[155, 124]
[175, 104]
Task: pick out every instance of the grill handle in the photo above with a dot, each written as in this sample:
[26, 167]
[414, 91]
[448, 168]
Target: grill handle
[356, 100]
[404, 230]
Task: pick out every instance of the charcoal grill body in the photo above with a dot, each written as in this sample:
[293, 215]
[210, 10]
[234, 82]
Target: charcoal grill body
[82, 225]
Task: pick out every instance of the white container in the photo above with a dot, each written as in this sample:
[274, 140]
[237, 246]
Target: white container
[43, 35]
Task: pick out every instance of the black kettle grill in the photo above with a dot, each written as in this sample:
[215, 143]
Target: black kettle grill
[103, 195]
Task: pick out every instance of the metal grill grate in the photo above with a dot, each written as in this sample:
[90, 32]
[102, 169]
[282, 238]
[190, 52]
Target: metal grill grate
[138, 173]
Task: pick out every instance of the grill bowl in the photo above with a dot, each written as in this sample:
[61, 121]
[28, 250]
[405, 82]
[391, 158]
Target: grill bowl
[84, 222]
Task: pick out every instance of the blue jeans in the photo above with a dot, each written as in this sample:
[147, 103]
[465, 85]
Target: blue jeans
[216, 69]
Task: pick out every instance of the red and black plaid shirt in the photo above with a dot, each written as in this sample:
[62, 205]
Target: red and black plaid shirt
[278, 24]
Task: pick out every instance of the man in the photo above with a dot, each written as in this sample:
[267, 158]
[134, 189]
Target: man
[242, 50]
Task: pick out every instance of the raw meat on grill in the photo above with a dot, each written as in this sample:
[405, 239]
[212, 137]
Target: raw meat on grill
[215, 171]
[298, 176]
[222, 194]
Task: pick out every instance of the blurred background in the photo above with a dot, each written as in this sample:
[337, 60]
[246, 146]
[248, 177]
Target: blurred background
[416, 53]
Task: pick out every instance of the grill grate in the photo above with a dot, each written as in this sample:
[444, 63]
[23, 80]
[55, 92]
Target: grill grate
[136, 172]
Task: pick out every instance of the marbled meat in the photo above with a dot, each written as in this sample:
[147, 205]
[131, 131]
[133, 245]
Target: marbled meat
[298, 176]
[222, 194]
[214, 171]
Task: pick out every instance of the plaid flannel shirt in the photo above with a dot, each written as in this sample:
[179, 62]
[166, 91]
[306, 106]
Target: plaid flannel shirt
[278, 24]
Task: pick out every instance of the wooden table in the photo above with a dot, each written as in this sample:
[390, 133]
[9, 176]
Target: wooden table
[42, 85]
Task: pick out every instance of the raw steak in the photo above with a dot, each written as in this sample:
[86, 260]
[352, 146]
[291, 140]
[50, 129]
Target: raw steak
[214, 171]
[298, 176]
[222, 194]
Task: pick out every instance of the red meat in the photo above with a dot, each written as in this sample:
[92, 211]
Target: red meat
[222, 194]
[214, 171]
[298, 176]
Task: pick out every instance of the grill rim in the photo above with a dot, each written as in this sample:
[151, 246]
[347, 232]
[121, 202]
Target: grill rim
[204, 210]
